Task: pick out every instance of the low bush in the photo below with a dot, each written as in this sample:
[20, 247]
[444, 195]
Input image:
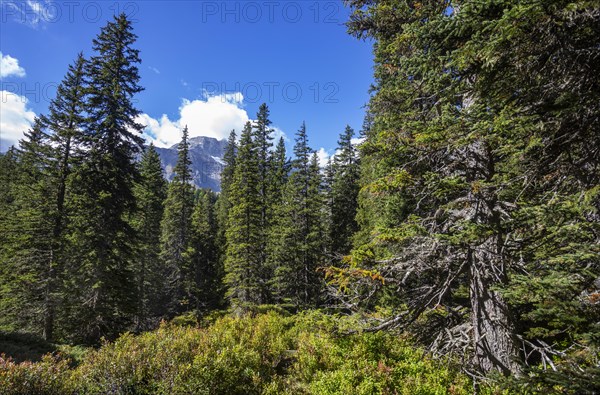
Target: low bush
[262, 354]
[50, 376]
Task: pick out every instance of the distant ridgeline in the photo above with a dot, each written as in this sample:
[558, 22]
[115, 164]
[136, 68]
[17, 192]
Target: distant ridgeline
[206, 154]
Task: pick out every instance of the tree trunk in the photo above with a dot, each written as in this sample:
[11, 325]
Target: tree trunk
[48, 325]
[493, 341]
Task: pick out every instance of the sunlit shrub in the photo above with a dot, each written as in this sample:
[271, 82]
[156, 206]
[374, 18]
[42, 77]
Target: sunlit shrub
[49, 376]
[307, 353]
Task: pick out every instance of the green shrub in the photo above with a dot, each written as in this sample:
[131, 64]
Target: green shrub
[372, 363]
[239, 356]
[188, 319]
[49, 376]
[262, 354]
[146, 364]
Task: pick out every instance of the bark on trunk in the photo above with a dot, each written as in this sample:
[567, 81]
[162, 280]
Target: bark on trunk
[493, 330]
[48, 326]
[493, 341]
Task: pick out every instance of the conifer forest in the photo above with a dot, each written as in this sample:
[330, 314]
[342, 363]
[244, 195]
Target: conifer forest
[454, 250]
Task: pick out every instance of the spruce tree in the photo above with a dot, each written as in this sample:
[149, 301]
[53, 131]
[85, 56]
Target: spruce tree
[316, 234]
[328, 173]
[244, 255]
[102, 239]
[47, 156]
[278, 174]
[296, 246]
[428, 227]
[64, 122]
[478, 148]
[27, 239]
[344, 195]
[223, 201]
[150, 193]
[176, 231]
[8, 169]
[537, 95]
[204, 254]
[263, 141]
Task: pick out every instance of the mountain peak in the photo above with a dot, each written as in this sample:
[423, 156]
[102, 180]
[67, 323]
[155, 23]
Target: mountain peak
[201, 140]
[206, 154]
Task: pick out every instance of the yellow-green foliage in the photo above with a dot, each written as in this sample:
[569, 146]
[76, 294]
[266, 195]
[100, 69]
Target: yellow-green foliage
[50, 376]
[265, 354]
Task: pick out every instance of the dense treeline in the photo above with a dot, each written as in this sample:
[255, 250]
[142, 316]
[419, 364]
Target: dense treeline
[468, 217]
[96, 242]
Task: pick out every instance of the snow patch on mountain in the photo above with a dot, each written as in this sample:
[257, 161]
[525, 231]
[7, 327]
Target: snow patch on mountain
[206, 154]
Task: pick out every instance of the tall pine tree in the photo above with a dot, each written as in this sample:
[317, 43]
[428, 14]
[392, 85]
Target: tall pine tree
[479, 154]
[204, 254]
[150, 192]
[176, 231]
[47, 156]
[244, 265]
[344, 195]
[278, 175]
[224, 200]
[102, 239]
[27, 240]
[263, 141]
[296, 245]
[64, 122]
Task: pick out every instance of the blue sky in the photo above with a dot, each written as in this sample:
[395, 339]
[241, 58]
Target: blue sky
[208, 64]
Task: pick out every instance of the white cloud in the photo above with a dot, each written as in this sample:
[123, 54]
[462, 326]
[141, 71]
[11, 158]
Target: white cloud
[215, 116]
[357, 140]
[15, 118]
[33, 13]
[277, 134]
[10, 66]
[323, 156]
[36, 7]
[157, 71]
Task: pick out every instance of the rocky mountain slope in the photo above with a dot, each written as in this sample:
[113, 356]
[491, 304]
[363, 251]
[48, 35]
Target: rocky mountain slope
[206, 154]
